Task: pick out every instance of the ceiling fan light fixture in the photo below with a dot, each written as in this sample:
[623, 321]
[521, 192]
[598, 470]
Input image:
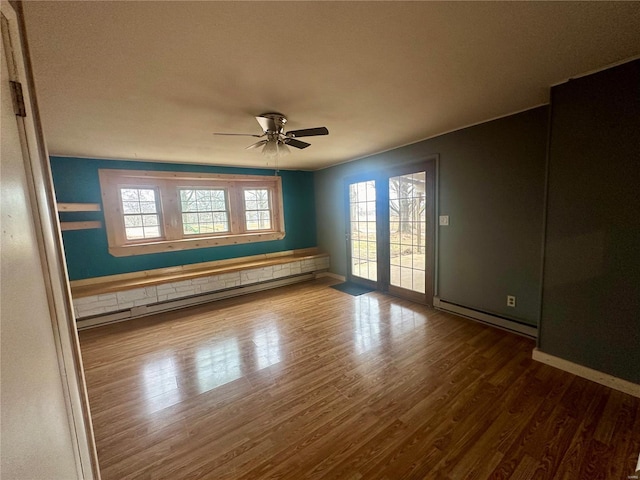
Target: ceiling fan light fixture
[270, 149]
[283, 149]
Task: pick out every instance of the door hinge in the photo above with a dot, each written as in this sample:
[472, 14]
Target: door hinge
[18, 99]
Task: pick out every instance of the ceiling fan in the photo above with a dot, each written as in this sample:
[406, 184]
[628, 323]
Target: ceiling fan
[278, 141]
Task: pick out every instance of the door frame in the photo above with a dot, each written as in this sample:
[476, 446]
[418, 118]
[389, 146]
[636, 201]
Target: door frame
[49, 239]
[427, 165]
[381, 176]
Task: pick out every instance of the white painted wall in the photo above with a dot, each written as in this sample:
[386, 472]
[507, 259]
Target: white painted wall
[37, 438]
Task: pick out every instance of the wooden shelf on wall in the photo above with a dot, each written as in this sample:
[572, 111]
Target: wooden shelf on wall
[64, 226]
[79, 207]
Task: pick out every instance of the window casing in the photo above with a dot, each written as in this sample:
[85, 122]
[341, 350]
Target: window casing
[152, 212]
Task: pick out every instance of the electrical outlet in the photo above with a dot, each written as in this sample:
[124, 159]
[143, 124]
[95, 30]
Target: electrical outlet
[511, 301]
[444, 220]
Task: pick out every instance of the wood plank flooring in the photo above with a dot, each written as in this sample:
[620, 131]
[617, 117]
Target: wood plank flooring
[306, 382]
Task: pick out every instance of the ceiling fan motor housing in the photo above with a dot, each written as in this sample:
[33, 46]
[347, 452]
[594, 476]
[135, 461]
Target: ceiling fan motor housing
[272, 123]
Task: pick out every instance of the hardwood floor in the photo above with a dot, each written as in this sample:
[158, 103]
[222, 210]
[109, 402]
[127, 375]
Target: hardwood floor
[308, 382]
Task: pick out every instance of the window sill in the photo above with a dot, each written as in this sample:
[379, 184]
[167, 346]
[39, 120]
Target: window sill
[191, 243]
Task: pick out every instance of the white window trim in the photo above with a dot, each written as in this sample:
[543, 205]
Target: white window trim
[167, 184]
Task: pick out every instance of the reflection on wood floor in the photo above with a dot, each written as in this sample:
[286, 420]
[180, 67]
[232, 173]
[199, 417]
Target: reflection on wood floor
[308, 382]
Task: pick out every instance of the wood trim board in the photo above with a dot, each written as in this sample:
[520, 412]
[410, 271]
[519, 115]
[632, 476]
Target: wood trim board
[79, 207]
[589, 373]
[66, 226]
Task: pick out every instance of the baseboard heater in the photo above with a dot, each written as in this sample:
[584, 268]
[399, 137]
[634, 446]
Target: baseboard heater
[494, 320]
[135, 312]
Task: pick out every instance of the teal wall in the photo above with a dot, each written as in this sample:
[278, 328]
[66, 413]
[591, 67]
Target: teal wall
[491, 184]
[76, 180]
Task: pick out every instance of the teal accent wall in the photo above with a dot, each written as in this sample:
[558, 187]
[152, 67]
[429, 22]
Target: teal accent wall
[76, 181]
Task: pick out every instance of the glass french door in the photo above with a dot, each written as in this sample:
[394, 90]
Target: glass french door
[390, 232]
[362, 235]
[407, 233]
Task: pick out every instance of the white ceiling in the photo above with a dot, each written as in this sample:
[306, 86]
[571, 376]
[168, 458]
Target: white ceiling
[152, 80]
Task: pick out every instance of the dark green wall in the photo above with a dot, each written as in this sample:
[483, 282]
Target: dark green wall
[591, 296]
[491, 184]
[76, 180]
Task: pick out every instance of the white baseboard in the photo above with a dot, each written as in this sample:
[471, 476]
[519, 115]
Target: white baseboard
[144, 310]
[332, 275]
[590, 374]
[482, 317]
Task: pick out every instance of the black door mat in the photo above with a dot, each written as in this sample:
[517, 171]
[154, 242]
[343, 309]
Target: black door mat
[352, 288]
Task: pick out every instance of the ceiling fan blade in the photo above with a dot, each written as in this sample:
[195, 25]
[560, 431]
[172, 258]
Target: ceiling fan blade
[296, 143]
[256, 145]
[240, 134]
[308, 132]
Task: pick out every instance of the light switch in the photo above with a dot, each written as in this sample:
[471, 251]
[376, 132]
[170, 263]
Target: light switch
[444, 220]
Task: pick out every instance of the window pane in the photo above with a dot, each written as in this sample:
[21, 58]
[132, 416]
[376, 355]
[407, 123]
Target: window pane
[150, 220]
[205, 217]
[206, 205]
[131, 207]
[265, 220]
[190, 228]
[189, 206]
[135, 233]
[147, 195]
[222, 225]
[132, 221]
[189, 218]
[202, 195]
[218, 195]
[129, 194]
[207, 209]
[148, 207]
[150, 232]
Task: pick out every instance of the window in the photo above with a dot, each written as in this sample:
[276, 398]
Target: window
[204, 211]
[140, 213]
[151, 211]
[257, 209]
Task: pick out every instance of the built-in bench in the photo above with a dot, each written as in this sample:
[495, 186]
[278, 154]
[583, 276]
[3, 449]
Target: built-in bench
[117, 297]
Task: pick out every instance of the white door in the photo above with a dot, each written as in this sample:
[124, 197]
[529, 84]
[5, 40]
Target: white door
[44, 433]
